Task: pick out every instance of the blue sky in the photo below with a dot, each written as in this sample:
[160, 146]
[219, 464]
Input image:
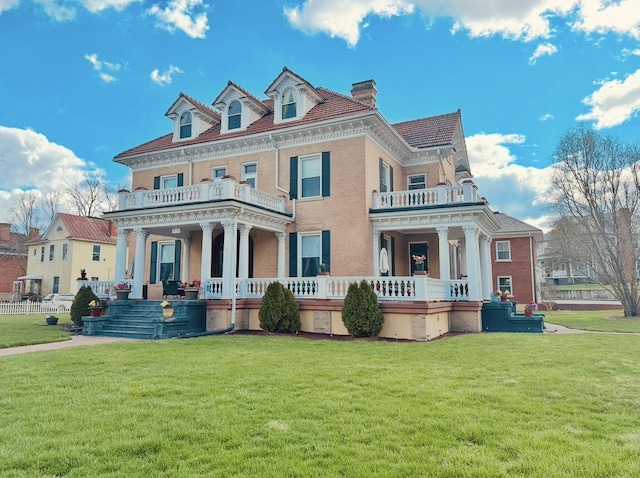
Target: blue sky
[81, 81]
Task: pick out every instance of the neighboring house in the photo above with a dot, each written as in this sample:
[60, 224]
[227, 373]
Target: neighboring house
[514, 253]
[252, 190]
[13, 262]
[560, 271]
[70, 244]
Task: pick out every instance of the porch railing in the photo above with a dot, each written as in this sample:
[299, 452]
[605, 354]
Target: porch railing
[202, 192]
[466, 193]
[101, 288]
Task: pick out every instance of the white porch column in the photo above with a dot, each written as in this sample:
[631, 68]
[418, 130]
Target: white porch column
[443, 248]
[485, 265]
[472, 248]
[229, 259]
[138, 266]
[205, 262]
[281, 254]
[185, 274]
[243, 258]
[376, 253]
[121, 255]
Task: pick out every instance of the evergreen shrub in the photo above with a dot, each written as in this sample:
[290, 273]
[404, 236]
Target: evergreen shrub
[279, 311]
[361, 312]
[80, 307]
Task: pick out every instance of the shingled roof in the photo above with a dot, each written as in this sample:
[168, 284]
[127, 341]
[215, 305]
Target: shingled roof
[511, 226]
[429, 132]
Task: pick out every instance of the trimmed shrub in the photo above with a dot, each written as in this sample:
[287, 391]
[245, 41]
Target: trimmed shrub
[279, 310]
[361, 312]
[80, 306]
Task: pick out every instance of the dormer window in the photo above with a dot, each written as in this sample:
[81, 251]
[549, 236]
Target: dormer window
[185, 125]
[235, 115]
[289, 102]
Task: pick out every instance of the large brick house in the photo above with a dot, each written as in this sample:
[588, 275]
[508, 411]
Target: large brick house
[13, 262]
[249, 191]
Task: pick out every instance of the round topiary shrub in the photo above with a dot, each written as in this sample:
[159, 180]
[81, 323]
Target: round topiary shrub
[80, 306]
[279, 311]
[361, 312]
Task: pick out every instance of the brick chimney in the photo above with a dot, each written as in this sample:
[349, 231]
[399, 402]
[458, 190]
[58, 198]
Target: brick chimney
[113, 230]
[365, 92]
[33, 232]
[5, 233]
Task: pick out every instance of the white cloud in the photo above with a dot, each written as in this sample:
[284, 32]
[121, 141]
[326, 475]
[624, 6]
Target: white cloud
[99, 66]
[165, 78]
[43, 165]
[342, 18]
[614, 102]
[8, 4]
[180, 14]
[95, 6]
[542, 49]
[524, 20]
[630, 52]
[546, 117]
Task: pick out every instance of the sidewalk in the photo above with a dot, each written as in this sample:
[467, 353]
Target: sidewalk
[561, 329]
[76, 340]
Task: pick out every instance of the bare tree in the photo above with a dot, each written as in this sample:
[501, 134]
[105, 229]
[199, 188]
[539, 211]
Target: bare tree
[596, 182]
[564, 246]
[91, 195]
[25, 213]
[50, 202]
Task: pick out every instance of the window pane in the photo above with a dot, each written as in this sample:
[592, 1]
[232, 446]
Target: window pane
[170, 182]
[418, 181]
[310, 246]
[185, 131]
[289, 111]
[234, 114]
[250, 168]
[166, 252]
[96, 253]
[310, 187]
[218, 172]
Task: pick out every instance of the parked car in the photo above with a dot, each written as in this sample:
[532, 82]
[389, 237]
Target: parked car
[54, 301]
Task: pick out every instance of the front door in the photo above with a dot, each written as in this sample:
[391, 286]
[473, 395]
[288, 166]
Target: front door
[418, 249]
[217, 256]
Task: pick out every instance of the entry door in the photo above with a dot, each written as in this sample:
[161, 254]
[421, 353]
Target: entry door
[418, 249]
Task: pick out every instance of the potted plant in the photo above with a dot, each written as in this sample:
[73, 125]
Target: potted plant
[122, 290]
[83, 274]
[324, 269]
[167, 309]
[529, 308]
[191, 289]
[418, 260]
[51, 319]
[505, 295]
[495, 295]
[96, 308]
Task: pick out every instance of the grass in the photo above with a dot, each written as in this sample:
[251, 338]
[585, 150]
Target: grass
[596, 320]
[16, 330]
[476, 405]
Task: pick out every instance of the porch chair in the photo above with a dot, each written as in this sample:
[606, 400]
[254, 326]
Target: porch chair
[170, 287]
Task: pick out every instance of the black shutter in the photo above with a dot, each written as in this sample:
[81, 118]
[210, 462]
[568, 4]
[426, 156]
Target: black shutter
[293, 177]
[293, 254]
[390, 179]
[154, 262]
[393, 255]
[326, 248]
[326, 174]
[180, 179]
[177, 250]
[156, 182]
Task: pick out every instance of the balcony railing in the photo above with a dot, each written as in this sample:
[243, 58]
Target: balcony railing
[440, 195]
[202, 192]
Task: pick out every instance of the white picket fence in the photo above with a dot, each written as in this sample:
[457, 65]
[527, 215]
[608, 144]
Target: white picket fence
[27, 307]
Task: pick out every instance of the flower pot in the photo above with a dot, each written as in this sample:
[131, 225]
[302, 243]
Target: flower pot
[503, 298]
[191, 293]
[495, 298]
[123, 294]
[167, 312]
[51, 320]
[420, 267]
[528, 313]
[96, 311]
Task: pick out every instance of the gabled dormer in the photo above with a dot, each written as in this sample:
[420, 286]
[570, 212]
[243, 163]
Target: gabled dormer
[190, 118]
[292, 97]
[238, 108]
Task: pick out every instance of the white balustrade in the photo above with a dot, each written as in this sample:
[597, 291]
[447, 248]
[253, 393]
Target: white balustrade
[426, 197]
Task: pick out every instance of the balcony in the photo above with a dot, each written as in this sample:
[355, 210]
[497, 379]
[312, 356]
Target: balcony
[207, 191]
[442, 195]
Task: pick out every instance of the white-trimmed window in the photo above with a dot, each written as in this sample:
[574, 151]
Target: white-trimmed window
[311, 176]
[95, 253]
[310, 254]
[637, 268]
[289, 102]
[55, 287]
[385, 177]
[185, 125]
[52, 252]
[166, 260]
[250, 173]
[503, 250]
[42, 254]
[17, 288]
[417, 181]
[65, 251]
[505, 283]
[234, 115]
[170, 181]
[218, 173]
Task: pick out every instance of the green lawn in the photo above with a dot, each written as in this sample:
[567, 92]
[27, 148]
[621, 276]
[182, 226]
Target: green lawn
[600, 320]
[16, 330]
[475, 405]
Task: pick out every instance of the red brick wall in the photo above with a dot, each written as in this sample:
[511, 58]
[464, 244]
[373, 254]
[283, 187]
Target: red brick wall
[11, 267]
[519, 267]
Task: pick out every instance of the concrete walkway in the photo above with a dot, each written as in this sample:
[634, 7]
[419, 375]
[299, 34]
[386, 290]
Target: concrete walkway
[76, 340]
[561, 329]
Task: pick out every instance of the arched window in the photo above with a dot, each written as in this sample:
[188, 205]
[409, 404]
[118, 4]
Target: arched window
[289, 104]
[235, 115]
[185, 125]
